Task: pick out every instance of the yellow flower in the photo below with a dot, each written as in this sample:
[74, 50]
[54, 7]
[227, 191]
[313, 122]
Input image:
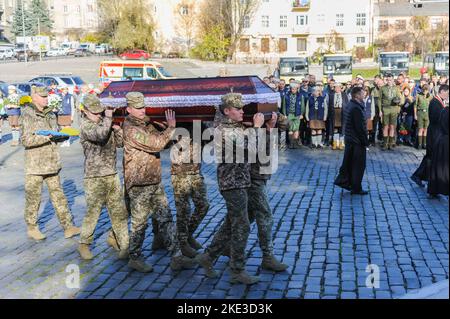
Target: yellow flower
[25, 100]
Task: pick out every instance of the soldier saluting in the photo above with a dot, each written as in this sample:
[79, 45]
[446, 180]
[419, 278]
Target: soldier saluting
[42, 164]
[234, 180]
[100, 139]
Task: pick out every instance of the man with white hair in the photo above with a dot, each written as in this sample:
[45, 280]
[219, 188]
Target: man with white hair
[292, 107]
[337, 99]
[12, 106]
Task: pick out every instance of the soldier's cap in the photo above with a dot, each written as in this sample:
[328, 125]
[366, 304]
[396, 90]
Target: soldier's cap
[92, 104]
[232, 100]
[135, 100]
[11, 88]
[39, 90]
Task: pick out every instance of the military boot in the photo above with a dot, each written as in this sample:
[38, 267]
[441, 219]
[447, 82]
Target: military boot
[182, 262]
[205, 261]
[271, 263]
[35, 233]
[123, 254]
[85, 252]
[194, 243]
[158, 242]
[243, 278]
[111, 241]
[385, 144]
[71, 231]
[187, 250]
[140, 265]
[393, 143]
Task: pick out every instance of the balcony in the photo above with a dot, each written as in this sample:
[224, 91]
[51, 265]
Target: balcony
[301, 5]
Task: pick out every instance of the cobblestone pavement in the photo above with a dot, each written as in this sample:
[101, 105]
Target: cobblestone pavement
[326, 236]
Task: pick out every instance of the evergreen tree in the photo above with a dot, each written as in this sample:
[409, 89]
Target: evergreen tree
[17, 25]
[40, 17]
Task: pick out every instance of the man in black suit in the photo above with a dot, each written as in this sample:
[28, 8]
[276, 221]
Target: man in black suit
[434, 111]
[356, 142]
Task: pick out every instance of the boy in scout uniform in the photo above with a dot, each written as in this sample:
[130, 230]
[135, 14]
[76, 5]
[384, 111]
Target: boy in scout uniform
[421, 115]
[142, 172]
[389, 104]
[42, 164]
[100, 139]
[234, 179]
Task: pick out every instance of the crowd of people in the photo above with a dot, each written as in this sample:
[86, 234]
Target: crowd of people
[395, 109]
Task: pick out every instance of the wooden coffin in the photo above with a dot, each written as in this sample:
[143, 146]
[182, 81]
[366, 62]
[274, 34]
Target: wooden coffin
[192, 99]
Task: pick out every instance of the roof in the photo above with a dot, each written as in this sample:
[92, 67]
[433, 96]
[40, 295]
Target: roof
[403, 8]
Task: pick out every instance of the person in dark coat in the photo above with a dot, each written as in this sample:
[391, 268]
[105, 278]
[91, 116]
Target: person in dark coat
[438, 179]
[356, 142]
[434, 112]
[335, 123]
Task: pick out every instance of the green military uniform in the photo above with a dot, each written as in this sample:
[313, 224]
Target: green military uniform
[386, 105]
[101, 181]
[42, 164]
[234, 180]
[188, 184]
[142, 171]
[422, 104]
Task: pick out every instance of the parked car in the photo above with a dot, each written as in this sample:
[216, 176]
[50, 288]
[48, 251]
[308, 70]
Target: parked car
[7, 53]
[4, 89]
[26, 86]
[71, 81]
[135, 55]
[157, 55]
[82, 52]
[56, 52]
[174, 55]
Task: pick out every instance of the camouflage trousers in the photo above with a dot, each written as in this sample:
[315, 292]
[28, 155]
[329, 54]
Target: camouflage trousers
[259, 210]
[234, 231]
[33, 192]
[99, 192]
[185, 188]
[146, 201]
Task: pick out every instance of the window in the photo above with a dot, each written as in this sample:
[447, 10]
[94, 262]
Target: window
[301, 45]
[133, 72]
[361, 40]
[320, 40]
[90, 8]
[321, 18]
[360, 19]
[383, 25]
[265, 45]
[400, 25]
[339, 19]
[151, 72]
[66, 9]
[244, 45]
[246, 22]
[339, 44]
[282, 45]
[436, 23]
[265, 21]
[302, 20]
[184, 10]
[283, 21]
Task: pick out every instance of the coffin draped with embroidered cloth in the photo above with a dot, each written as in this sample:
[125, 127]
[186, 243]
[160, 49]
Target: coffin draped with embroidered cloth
[192, 99]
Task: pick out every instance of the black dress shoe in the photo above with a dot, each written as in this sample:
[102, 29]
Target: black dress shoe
[417, 180]
[433, 196]
[361, 192]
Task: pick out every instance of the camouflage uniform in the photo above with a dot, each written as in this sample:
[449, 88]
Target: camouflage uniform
[42, 163]
[385, 104]
[188, 183]
[101, 181]
[142, 171]
[234, 183]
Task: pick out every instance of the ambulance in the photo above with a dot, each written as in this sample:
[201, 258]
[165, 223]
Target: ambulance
[111, 71]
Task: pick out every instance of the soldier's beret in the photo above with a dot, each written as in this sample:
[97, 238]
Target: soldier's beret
[232, 100]
[39, 90]
[135, 100]
[92, 104]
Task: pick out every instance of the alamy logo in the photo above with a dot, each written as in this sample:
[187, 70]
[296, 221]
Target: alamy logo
[373, 280]
[73, 279]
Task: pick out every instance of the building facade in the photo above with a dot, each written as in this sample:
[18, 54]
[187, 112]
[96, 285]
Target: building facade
[286, 28]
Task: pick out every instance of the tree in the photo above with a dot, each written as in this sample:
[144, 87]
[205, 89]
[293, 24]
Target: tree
[40, 17]
[18, 21]
[213, 45]
[128, 23]
[185, 13]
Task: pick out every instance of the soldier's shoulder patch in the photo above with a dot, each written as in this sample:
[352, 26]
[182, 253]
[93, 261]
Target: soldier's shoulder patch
[141, 137]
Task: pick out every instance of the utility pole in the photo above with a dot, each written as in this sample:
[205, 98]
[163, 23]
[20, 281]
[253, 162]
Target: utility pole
[39, 34]
[23, 33]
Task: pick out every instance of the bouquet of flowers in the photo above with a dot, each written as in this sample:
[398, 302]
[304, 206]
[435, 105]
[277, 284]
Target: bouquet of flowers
[403, 130]
[54, 102]
[12, 101]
